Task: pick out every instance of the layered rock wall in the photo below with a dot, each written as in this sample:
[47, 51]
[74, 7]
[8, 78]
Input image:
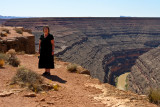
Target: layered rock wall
[2, 21]
[120, 62]
[145, 74]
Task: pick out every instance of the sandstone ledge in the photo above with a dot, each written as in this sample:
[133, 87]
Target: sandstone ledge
[10, 39]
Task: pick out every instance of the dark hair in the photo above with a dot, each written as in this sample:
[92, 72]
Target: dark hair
[47, 28]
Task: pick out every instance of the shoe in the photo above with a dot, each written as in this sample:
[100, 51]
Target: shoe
[46, 74]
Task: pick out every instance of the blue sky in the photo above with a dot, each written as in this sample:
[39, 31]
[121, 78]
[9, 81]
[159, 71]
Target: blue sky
[80, 8]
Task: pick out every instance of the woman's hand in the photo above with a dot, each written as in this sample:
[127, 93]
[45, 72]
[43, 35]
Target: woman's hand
[52, 53]
[52, 42]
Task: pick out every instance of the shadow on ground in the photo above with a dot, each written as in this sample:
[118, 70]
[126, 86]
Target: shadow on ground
[2, 67]
[55, 78]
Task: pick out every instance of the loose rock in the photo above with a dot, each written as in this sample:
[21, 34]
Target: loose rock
[30, 95]
[50, 102]
[5, 93]
[43, 99]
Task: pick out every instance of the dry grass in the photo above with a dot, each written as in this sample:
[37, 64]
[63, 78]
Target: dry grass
[72, 67]
[27, 78]
[13, 60]
[31, 80]
[9, 58]
[18, 30]
[11, 52]
[154, 96]
[21, 53]
[3, 58]
[57, 58]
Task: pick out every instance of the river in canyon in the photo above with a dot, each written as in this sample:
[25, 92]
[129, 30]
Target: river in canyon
[121, 82]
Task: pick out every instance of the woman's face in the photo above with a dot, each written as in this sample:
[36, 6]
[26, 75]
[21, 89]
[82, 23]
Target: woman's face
[46, 31]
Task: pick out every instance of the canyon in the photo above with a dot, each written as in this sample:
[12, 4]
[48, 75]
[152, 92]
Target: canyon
[145, 73]
[107, 47]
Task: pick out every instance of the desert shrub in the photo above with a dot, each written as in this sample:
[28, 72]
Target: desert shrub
[27, 78]
[57, 58]
[18, 30]
[6, 30]
[3, 56]
[2, 63]
[72, 67]
[126, 86]
[116, 81]
[11, 52]
[9, 58]
[3, 34]
[13, 60]
[154, 96]
[21, 53]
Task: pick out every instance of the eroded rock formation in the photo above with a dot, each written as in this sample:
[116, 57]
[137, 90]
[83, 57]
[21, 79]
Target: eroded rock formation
[145, 74]
[10, 39]
[120, 62]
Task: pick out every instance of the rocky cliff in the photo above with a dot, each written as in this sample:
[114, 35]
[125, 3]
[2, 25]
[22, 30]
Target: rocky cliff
[16, 38]
[2, 21]
[108, 47]
[145, 73]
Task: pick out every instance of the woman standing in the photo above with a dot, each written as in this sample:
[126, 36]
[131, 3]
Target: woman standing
[46, 50]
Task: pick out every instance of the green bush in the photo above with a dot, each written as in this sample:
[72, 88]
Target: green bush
[154, 96]
[27, 78]
[72, 67]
